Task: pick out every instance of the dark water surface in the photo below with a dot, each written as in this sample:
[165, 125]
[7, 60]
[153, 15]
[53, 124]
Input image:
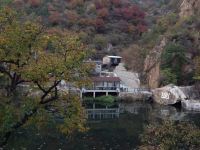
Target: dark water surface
[108, 132]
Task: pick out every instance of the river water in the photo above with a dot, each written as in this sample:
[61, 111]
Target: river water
[113, 128]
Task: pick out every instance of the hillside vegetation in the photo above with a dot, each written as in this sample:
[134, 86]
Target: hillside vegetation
[131, 28]
[179, 59]
[105, 25]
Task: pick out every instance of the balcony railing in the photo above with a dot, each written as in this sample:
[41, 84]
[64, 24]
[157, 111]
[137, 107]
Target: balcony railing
[102, 88]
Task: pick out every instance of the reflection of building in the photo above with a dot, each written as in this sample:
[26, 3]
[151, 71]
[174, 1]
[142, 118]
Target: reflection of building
[102, 113]
[102, 86]
[111, 60]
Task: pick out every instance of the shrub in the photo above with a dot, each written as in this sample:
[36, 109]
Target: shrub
[171, 135]
[173, 58]
[100, 41]
[168, 77]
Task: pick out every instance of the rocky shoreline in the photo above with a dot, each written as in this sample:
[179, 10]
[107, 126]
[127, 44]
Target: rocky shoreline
[188, 96]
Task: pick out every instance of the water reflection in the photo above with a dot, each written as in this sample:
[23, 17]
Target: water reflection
[101, 112]
[114, 127]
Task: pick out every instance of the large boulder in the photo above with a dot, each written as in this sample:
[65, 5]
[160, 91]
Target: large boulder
[168, 95]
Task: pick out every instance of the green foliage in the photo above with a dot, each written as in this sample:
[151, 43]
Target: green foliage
[74, 117]
[171, 135]
[102, 100]
[42, 58]
[166, 21]
[151, 38]
[4, 3]
[107, 100]
[173, 58]
[10, 113]
[100, 41]
[168, 77]
[8, 117]
[27, 106]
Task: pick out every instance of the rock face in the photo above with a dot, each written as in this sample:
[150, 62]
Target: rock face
[168, 95]
[152, 64]
[193, 105]
[189, 8]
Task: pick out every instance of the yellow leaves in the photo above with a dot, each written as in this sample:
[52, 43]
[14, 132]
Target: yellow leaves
[42, 56]
[44, 59]
[6, 15]
[74, 118]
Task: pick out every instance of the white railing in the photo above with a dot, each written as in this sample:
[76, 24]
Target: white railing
[102, 113]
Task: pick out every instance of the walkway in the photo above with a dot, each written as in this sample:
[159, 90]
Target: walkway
[129, 79]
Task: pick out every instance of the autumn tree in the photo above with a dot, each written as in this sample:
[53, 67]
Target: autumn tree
[134, 57]
[42, 58]
[62, 60]
[16, 44]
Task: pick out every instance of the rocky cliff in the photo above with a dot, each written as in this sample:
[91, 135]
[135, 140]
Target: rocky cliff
[152, 64]
[189, 8]
[184, 32]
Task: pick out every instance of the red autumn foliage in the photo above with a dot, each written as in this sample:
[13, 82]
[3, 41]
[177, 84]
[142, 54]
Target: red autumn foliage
[126, 3]
[99, 23]
[117, 12]
[87, 22]
[103, 13]
[72, 16]
[34, 3]
[76, 3]
[129, 12]
[116, 3]
[141, 28]
[102, 4]
[51, 7]
[18, 3]
[123, 25]
[55, 17]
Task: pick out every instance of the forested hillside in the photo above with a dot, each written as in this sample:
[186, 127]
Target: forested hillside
[105, 25]
[132, 28]
[44, 72]
[173, 44]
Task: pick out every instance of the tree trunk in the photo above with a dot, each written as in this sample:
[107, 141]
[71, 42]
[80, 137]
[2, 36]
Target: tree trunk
[14, 82]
